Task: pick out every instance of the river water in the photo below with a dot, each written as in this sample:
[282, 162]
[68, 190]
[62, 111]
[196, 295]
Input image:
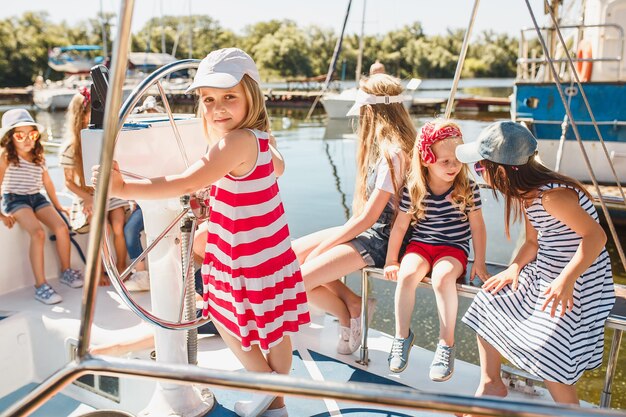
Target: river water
[317, 191]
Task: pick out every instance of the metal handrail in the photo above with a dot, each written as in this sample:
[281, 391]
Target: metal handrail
[359, 392]
[523, 43]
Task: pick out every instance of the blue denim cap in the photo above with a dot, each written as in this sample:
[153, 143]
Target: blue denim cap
[506, 143]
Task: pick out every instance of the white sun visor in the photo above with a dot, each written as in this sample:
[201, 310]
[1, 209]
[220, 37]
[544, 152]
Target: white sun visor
[363, 99]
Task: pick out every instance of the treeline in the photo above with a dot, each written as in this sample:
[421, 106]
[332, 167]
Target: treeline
[281, 49]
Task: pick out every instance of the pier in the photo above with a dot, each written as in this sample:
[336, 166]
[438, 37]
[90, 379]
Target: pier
[16, 95]
[304, 98]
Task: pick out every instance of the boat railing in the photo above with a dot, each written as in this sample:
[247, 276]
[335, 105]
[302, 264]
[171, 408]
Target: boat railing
[530, 61]
[358, 392]
[616, 320]
[85, 363]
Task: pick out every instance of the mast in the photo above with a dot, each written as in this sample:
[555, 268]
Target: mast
[105, 51]
[162, 30]
[333, 62]
[190, 32]
[359, 61]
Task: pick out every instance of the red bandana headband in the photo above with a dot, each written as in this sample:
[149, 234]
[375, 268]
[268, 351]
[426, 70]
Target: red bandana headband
[431, 134]
[84, 91]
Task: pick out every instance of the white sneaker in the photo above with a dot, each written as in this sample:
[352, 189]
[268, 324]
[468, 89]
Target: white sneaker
[254, 407]
[138, 281]
[343, 346]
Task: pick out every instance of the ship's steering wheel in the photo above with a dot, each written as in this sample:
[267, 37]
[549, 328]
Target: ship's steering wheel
[187, 214]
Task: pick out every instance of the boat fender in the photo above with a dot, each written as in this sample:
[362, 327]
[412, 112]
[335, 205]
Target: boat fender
[584, 68]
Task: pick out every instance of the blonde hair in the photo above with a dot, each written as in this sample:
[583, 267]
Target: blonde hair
[77, 111]
[256, 116]
[462, 195]
[382, 127]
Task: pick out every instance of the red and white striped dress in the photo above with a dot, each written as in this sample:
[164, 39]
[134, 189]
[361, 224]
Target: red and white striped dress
[255, 289]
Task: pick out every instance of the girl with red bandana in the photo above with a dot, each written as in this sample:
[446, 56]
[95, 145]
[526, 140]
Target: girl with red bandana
[442, 205]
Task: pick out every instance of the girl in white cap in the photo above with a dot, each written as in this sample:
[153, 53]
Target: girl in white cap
[256, 295]
[545, 313]
[23, 174]
[385, 146]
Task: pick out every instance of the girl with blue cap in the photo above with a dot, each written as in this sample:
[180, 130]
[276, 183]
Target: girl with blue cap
[545, 313]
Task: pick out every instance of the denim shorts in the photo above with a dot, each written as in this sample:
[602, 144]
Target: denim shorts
[372, 243]
[13, 202]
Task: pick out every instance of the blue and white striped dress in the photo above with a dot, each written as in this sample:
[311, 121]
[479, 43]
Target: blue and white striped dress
[556, 348]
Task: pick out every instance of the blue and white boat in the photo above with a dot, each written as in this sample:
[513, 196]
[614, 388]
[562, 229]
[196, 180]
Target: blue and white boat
[597, 48]
[75, 59]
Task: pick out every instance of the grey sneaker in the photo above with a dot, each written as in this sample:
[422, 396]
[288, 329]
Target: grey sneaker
[442, 367]
[72, 278]
[47, 295]
[399, 355]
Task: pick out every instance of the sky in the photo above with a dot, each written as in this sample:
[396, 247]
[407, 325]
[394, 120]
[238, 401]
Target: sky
[381, 16]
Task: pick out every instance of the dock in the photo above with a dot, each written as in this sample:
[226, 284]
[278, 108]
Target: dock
[16, 95]
[613, 199]
[304, 98]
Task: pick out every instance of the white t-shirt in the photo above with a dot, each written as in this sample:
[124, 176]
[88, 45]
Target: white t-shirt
[380, 177]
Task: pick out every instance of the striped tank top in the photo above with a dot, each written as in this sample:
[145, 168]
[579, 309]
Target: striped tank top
[255, 289]
[24, 179]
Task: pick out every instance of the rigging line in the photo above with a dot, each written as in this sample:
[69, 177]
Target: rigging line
[587, 105]
[555, 76]
[459, 64]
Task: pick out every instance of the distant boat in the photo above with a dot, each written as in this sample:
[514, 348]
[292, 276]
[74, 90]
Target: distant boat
[53, 96]
[338, 104]
[57, 96]
[74, 59]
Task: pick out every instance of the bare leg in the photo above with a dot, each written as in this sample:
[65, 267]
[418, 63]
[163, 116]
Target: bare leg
[562, 393]
[345, 294]
[413, 269]
[445, 273]
[327, 267]
[279, 358]
[199, 242]
[49, 216]
[490, 364]
[305, 244]
[29, 222]
[117, 218]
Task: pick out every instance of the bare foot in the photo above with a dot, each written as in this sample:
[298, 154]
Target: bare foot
[494, 389]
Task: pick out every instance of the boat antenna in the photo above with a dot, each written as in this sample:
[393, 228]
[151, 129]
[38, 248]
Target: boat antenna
[459, 64]
[333, 62]
[555, 76]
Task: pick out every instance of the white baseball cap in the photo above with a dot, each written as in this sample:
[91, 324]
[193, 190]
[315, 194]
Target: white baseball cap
[224, 68]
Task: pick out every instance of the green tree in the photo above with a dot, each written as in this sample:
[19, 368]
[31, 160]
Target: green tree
[284, 52]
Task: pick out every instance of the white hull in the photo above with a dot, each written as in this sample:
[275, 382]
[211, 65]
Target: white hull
[573, 164]
[338, 105]
[59, 98]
